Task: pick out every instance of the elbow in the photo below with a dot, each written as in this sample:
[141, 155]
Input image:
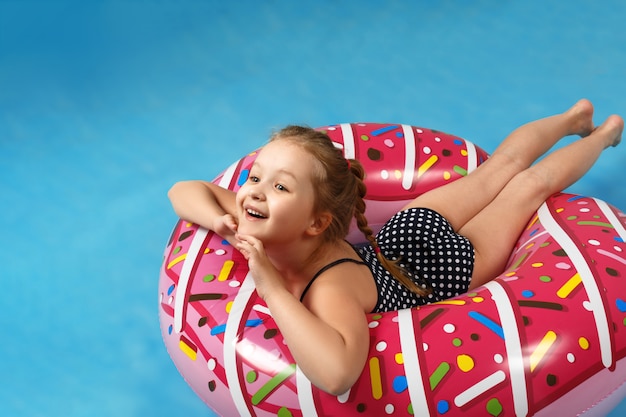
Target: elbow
[338, 390]
[338, 385]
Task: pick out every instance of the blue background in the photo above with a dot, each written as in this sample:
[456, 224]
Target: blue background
[105, 104]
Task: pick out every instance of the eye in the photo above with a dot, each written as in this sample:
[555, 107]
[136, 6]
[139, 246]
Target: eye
[253, 178]
[281, 187]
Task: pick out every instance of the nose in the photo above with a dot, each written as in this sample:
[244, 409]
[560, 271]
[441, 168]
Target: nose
[256, 193]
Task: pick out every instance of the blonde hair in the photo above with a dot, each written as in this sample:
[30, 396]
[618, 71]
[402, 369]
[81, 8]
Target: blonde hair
[340, 190]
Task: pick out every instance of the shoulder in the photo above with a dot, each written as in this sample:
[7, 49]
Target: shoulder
[344, 285]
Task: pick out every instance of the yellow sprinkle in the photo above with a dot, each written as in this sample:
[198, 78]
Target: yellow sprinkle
[509, 274]
[187, 350]
[229, 305]
[398, 174]
[188, 224]
[426, 165]
[530, 245]
[583, 343]
[399, 358]
[543, 347]
[446, 175]
[464, 152]
[478, 299]
[560, 210]
[226, 268]
[569, 286]
[537, 264]
[207, 250]
[532, 222]
[176, 260]
[452, 302]
[377, 385]
[465, 362]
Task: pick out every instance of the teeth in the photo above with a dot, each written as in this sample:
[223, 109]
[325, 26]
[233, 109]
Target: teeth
[255, 213]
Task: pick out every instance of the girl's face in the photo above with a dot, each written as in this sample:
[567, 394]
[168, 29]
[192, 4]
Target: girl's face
[275, 204]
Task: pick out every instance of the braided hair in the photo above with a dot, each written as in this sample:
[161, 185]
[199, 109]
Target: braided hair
[340, 190]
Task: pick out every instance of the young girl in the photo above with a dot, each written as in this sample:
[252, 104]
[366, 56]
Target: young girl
[290, 219]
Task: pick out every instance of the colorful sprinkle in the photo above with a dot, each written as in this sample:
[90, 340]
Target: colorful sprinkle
[460, 170]
[487, 322]
[225, 272]
[465, 362]
[439, 373]
[375, 379]
[185, 235]
[188, 347]
[583, 343]
[427, 165]
[494, 407]
[621, 305]
[207, 296]
[176, 260]
[546, 343]
[251, 376]
[479, 388]
[569, 286]
[284, 412]
[443, 406]
[273, 383]
[399, 384]
[592, 223]
[243, 177]
[382, 130]
[612, 256]
[541, 304]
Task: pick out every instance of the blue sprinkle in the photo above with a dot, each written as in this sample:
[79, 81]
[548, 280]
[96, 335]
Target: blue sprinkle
[443, 407]
[218, 329]
[574, 198]
[528, 294]
[399, 134]
[243, 177]
[621, 305]
[225, 242]
[169, 329]
[458, 142]
[383, 130]
[399, 384]
[533, 232]
[618, 239]
[253, 323]
[170, 290]
[487, 322]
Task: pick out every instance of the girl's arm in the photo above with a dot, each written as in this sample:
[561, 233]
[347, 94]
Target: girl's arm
[207, 205]
[329, 337]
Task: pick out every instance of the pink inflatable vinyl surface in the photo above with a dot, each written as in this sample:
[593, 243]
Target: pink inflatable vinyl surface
[546, 337]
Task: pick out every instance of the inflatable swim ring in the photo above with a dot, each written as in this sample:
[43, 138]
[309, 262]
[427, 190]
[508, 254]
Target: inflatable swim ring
[547, 337]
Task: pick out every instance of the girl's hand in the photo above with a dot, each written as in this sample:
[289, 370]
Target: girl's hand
[226, 227]
[264, 273]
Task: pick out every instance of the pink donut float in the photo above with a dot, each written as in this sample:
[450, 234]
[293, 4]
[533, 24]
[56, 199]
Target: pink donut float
[547, 337]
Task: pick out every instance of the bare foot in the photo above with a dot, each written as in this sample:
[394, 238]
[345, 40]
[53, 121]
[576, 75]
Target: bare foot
[611, 130]
[582, 114]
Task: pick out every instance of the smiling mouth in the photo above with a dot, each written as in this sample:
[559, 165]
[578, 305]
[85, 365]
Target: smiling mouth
[255, 214]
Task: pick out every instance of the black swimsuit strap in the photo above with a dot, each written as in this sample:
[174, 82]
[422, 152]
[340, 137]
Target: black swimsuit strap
[324, 269]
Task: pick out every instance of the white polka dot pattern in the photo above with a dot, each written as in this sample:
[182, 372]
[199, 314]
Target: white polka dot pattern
[431, 252]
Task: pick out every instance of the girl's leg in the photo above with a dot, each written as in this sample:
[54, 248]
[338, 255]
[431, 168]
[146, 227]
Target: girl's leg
[494, 230]
[461, 200]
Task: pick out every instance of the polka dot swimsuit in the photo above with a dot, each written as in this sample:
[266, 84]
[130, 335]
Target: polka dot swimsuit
[431, 252]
